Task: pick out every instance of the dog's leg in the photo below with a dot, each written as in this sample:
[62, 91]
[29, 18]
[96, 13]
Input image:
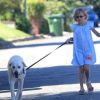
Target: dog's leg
[19, 91]
[12, 90]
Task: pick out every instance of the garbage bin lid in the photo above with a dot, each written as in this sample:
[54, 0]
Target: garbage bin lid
[57, 16]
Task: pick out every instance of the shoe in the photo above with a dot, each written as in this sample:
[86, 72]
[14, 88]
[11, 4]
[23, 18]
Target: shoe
[82, 92]
[89, 87]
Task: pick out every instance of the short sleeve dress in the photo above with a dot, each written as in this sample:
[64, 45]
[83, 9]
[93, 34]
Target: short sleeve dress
[83, 46]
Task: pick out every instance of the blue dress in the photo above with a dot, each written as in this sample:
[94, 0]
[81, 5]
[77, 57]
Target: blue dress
[83, 46]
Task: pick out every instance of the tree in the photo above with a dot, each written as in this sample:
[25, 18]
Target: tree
[6, 5]
[36, 14]
[11, 6]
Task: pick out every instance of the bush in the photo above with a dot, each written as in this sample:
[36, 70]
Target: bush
[23, 24]
[7, 16]
[44, 26]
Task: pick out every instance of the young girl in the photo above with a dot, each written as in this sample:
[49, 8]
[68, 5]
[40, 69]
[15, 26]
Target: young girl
[83, 48]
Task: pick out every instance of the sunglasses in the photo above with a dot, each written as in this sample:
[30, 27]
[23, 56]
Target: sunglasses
[79, 17]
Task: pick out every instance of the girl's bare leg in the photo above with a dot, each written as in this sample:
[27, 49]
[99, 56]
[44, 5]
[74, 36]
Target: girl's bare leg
[81, 78]
[87, 74]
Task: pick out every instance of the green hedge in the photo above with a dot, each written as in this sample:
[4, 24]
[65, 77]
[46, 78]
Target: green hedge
[23, 24]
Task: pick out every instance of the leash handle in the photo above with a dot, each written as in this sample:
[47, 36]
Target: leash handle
[46, 55]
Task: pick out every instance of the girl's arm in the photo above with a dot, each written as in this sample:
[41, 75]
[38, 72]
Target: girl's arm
[95, 32]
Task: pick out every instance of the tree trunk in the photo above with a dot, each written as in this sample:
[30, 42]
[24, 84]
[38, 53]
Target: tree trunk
[35, 26]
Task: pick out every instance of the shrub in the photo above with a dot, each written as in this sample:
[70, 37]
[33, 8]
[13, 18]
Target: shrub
[7, 16]
[23, 24]
[44, 26]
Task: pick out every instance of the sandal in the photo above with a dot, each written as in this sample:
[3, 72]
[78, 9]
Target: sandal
[89, 87]
[82, 92]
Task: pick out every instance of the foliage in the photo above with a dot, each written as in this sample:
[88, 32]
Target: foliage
[11, 6]
[36, 12]
[23, 24]
[6, 16]
[54, 7]
[36, 9]
[44, 27]
[6, 5]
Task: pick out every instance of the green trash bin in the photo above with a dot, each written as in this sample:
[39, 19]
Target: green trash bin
[56, 24]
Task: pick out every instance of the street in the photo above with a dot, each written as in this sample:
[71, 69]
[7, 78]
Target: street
[53, 78]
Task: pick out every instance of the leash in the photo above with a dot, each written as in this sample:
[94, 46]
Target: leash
[47, 55]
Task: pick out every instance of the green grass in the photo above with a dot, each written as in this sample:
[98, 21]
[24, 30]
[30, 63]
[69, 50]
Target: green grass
[7, 33]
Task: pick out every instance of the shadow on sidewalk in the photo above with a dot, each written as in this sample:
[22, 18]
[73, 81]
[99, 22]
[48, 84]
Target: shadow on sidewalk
[9, 45]
[65, 96]
[5, 44]
[32, 45]
[96, 42]
[55, 75]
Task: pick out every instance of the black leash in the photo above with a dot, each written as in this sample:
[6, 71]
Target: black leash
[47, 54]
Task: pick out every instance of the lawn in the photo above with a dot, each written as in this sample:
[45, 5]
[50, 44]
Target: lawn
[7, 33]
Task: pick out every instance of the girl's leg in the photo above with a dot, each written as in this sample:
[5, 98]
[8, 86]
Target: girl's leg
[87, 74]
[81, 75]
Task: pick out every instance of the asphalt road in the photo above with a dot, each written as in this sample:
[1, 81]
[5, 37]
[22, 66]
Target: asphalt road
[53, 78]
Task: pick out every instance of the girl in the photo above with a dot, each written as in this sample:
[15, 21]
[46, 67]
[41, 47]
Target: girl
[83, 48]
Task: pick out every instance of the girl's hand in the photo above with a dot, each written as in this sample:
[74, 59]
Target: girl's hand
[89, 57]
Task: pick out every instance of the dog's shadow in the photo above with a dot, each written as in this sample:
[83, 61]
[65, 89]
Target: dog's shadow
[36, 77]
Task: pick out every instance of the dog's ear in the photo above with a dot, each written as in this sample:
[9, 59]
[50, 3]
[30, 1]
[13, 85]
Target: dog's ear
[9, 64]
[24, 64]
[9, 68]
[23, 70]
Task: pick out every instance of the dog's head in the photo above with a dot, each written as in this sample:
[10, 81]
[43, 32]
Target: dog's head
[17, 67]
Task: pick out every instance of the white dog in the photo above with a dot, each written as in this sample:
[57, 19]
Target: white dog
[16, 74]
